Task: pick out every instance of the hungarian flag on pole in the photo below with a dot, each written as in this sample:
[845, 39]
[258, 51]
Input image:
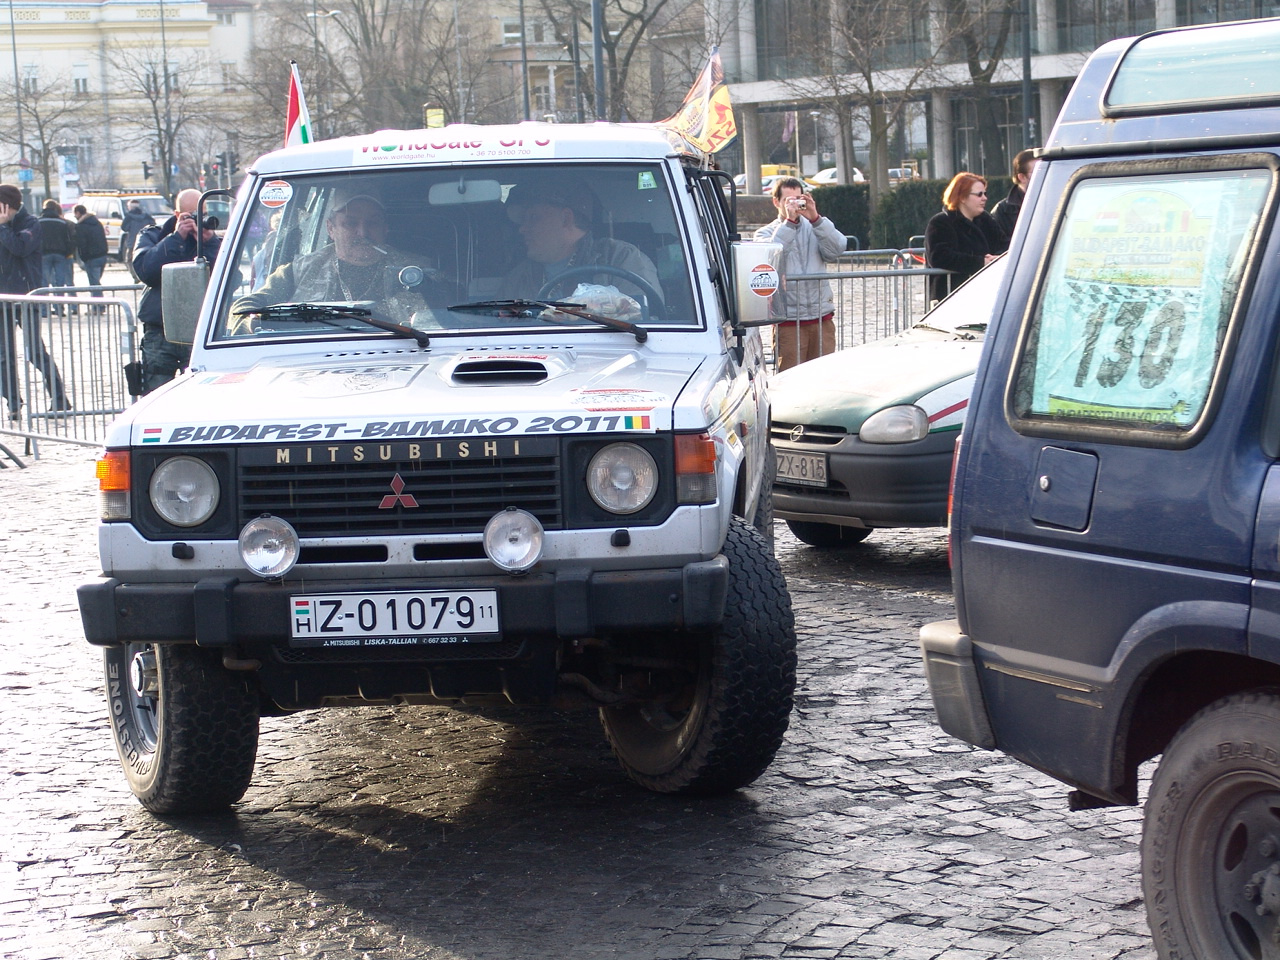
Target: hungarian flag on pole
[297, 122]
[705, 119]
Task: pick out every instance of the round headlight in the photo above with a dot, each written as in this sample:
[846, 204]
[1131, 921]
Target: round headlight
[513, 540]
[900, 424]
[269, 546]
[184, 491]
[622, 478]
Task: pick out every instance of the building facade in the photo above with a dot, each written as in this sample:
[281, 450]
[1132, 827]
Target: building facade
[911, 61]
[123, 94]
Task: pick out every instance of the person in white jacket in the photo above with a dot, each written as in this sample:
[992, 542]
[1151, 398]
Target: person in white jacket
[805, 309]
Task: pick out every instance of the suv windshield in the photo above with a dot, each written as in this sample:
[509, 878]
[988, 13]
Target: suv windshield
[576, 246]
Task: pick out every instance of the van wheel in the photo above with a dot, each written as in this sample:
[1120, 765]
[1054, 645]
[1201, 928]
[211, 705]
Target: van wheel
[716, 723]
[827, 534]
[185, 727]
[1211, 834]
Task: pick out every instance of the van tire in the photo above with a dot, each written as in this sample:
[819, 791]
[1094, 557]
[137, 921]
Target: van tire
[827, 534]
[185, 727]
[1210, 837]
[718, 724]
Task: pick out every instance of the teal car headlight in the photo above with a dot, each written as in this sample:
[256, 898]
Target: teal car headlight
[900, 424]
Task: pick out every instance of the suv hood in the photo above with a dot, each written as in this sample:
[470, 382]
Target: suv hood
[474, 392]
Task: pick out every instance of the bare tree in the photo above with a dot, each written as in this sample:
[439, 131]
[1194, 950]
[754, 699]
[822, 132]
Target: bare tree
[635, 34]
[167, 106]
[869, 58]
[981, 32]
[50, 117]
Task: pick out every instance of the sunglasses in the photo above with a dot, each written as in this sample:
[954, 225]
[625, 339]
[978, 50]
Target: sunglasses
[982, 194]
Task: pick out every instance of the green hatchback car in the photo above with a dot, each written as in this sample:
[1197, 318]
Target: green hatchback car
[864, 436]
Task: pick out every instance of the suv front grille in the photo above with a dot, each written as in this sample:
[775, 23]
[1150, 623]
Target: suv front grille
[430, 496]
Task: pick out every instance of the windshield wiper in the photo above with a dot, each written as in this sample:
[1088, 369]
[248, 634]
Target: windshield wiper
[534, 310]
[330, 314]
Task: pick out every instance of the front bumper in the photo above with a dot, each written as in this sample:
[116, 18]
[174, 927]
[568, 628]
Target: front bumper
[952, 673]
[873, 484]
[568, 603]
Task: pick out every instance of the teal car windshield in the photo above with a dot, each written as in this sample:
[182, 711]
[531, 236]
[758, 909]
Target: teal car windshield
[444, 252]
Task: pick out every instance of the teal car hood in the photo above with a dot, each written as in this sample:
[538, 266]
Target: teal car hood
[844, 388]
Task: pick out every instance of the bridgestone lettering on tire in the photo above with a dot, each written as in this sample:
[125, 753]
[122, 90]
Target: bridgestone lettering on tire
[188, 741]
[1211, 836]
[723, 728]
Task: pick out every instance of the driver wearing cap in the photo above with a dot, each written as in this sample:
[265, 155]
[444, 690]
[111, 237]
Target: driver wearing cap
[358, 267]
[555, 225]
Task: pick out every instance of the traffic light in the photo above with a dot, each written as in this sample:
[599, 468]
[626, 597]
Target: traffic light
[217, 165]
[146, 170]
[232, 165]
[204, 170]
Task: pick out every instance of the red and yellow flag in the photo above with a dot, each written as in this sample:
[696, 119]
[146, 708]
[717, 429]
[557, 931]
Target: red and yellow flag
[705, 119]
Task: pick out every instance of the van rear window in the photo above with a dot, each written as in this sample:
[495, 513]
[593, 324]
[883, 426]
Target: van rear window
[1136, 302]
[1226, 66]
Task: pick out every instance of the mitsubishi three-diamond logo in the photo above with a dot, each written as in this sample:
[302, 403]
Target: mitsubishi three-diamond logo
[397, 496]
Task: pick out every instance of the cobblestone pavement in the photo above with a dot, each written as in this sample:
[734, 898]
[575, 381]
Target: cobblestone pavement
[429, 833]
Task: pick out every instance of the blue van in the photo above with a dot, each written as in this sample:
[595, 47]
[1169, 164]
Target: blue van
[1116, 519]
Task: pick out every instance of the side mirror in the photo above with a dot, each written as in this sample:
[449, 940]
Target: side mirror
[756, 278]
[182, 287]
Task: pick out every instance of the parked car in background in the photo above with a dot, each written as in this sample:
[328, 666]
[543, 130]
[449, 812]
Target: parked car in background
[109, 206]
[831, 177]
[864, 436]
[898, 174]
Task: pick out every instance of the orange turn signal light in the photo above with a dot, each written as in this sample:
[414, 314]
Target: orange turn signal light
[113, 470]
[695, 453]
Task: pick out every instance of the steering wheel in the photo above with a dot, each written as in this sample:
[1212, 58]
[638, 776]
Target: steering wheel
[650, 307]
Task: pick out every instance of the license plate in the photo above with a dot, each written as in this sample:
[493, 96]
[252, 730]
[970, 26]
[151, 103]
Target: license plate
[395, 619]
[806, 468]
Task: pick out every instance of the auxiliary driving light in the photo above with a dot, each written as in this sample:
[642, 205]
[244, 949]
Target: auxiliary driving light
[513, 540]
[269, 546]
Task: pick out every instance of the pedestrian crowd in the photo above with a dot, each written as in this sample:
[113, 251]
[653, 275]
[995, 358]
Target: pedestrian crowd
[38, 252]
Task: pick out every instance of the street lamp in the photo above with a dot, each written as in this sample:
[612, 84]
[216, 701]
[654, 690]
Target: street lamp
[316, 16]
[817, 151]
[17, 95]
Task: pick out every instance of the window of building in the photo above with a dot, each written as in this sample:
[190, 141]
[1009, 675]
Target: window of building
[80, 79]
[84, 150]
[1084, 25]
[970, 153]
[228, 76]
[1217, 11]
[30, 78]
[226, 19]
[536, 31]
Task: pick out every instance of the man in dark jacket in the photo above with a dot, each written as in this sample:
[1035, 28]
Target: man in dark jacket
[135, 221]
[173, 242]
[1007, 210]
[58, 246]
[91, 244]
[21, 272]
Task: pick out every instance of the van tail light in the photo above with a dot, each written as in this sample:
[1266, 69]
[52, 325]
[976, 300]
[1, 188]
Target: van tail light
[114, 483]
[951, 501]
[695, 468]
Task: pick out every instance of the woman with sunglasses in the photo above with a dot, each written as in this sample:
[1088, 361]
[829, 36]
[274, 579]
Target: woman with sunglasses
[963, 238]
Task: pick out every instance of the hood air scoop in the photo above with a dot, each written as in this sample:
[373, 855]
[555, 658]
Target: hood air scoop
[499, 371]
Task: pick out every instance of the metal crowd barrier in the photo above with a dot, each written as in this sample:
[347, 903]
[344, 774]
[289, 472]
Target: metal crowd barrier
[62, 361]
[877, 293]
